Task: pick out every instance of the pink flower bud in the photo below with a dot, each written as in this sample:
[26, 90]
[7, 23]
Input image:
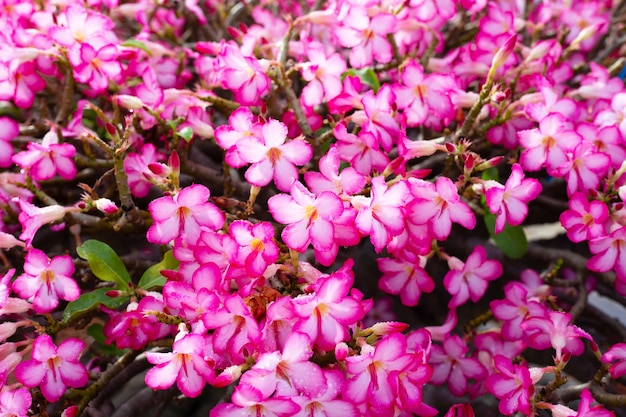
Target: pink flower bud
[502, 54]
[388, 327]
[341, 351]
[128, 102]
[106, 206]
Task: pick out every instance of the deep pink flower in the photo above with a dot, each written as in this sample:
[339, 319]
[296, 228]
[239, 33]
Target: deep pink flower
[407, 278]
[438, 205]
[512, 385]
[510, 203]
[451, 364]
[19, 81]
[272, 158]
[617, 354]
[326, 314]
[309, 219]
[585, 219]
[46, 159]
[584, 169]
[53, 368]
[183, 214]
[137, 171]
[469, 280]
[377, 117]
[555, 330]
[257, 248]
[187, 365]
[9, 130]
[241, 123]
[362, 151]
[46, 280]
[514, 310]
[250, 401]
[381, 215]
[549, 144]
[609, 253]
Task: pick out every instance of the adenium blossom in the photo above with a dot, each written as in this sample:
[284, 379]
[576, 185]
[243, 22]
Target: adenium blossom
[46, 159]
[609, 254]
[510, 202]
[96, 67]
[15, 403]
[584, 220]
[257, 249]
[242, 74]
[617, 354]
[187, 365]
[46, 280]
[407, 278]
[469, 280]
[309, 219]
[183, 214]
[137, 171]
[53, 368]
[273, 158]
[451, 364]
[9, 130]
[32, 217]
[512, 385]
[250, 401]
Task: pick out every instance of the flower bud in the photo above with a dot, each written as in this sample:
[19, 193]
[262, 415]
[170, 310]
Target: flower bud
[128, 102]
[502, 54]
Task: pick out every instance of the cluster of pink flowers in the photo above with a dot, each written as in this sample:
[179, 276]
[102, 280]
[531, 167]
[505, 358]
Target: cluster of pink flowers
[333, 119]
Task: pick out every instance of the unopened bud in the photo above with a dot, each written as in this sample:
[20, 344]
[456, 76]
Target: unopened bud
[105, 205]
[502, 54]
[388, 327]
[128, 102]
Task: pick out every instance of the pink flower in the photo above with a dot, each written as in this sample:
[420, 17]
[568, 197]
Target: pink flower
[241, 123]
[512, 385]
[323, 74]
[514, 310]
[53, 368]
[272, 158]
[45, 160]
[326, 314]
[47, 280]
[470, 279]
[348, 181]
[19, 81]
[362, 151]
[366, 38]
[137, 171]
[242, 74]
[97, 67]
[378, 113]
[309, 220]
[327, 403]
[438, 206]
[609, 253]
[9, 130]
[584, 220]
[555, 330]
[250, 401]
[381, 215]
[584, 169]
[450, 364]
[257, 248]
[15, 403]
[617, 354]
[407, 278]
[187, 366]
[548, 145]
[370, 371]
[510, 203]
[32, 218]
[183, 214]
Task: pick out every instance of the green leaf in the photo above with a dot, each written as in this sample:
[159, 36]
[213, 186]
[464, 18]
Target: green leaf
[152, 277]
[512, 240]
[134, 43]
[104, 263]
[96, 331]
[367, 76]
[91, 300]
[186, 133]
[490, 174]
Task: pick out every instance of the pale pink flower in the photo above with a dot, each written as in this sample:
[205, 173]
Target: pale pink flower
[323, 74]
[53, 368]
[584, 169]
[510, 203]
[469, 280]
[607, 140]
[379, 119]
[327, 403]
[242, 74]
[241, 123]
[15, 402]
[187, 365]
[46, 280]
[514, 310]
[46, 159]
[19, 81]
[183, 214]
[309, 219]
[366, 37]
[362, 151]
[609, 254]
[257, 249]
[32, 218]
[250, 401]
[348, 181]
[97, 67]
[273, 158]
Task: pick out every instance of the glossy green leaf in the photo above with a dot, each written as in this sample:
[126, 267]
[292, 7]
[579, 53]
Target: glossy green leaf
[104, 263]
[186, 133]
[152, 277]
[134, 43]
[91, 300]
[367, 75]
[512, 240]
[490, 174]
